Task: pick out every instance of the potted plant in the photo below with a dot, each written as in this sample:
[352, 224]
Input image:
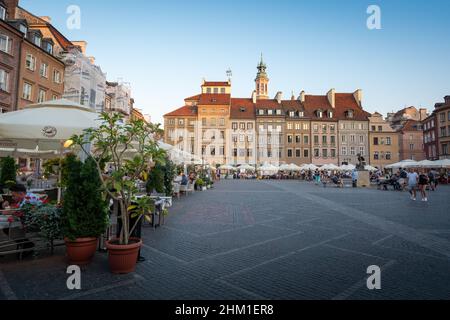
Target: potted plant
[84, 214]
[131, 150]
[200, 184]
[8, 172]
[46, 220]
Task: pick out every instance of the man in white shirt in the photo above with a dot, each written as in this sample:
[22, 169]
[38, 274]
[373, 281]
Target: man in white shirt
[413, 177]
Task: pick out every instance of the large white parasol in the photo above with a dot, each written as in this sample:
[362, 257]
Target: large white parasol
[44, 126]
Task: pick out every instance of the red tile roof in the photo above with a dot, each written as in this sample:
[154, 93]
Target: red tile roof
[345, 102]
[185, 111]
[214, 99]
[193, 98]
[216, 84]
[242, 108]
[411, 125]
[268, 104]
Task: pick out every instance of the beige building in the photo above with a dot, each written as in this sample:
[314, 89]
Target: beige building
[443, 128]
[297, 132]
[384, 143]
[242, 132]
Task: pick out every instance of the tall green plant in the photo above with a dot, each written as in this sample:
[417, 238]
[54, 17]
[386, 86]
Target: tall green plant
[131, 148]
[84, 207]
[169, 174]
[155, 180]
[8, 171]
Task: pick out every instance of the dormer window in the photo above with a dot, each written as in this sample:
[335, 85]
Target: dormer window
[261, 112]
[242, 109]
[269, 112]
[349, 114]
[24, 29]
[292, 114]
[278, 112]
[48, 47]
[2, 13]
[330, 114]
[37, 40]
[301, 114]
[319, 113]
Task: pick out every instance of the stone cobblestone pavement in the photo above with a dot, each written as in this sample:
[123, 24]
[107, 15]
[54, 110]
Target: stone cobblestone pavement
[268, 240]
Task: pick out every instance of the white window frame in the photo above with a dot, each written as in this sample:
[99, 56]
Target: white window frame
[44, 70]
[42, 98]
[7, 41]
[4, 80]
[56, 79]
[27, 94]
[2, 13]
[30, 62]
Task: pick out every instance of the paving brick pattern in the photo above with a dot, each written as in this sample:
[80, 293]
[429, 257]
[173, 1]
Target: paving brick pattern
[268, 240]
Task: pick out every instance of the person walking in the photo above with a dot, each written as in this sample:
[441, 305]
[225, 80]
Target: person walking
[423, 182]
[412, 178]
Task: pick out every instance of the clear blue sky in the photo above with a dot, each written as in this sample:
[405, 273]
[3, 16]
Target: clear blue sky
[165, 48]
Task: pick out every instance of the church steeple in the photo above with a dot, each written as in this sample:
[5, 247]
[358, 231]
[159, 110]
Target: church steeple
[262, 81]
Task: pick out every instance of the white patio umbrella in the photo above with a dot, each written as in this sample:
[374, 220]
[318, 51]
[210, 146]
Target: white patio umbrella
[370, 168]
[444, 163]
[310, 166]
[425, 164]
[45, 126]
[226, 167]
[246, 167]
[285, 167]
[331, 167]
[402, 164]
[348, 167]
[294, 167]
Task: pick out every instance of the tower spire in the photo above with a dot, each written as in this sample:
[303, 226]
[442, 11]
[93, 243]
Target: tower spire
[261, 80]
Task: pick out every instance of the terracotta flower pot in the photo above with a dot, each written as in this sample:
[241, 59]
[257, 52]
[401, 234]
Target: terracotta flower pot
[81, 251]
[123, 258]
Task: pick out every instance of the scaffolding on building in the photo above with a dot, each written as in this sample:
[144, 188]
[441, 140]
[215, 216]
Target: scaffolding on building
[85, 82]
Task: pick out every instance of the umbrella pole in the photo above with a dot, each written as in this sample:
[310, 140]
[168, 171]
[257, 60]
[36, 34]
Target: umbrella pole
[60, 173]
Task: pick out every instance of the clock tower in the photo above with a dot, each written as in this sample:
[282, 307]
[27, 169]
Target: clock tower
[261, 81]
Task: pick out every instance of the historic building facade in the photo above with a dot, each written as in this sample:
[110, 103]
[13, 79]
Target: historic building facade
[258, 129]
[442, 112]
[411, 141]
[10, 44]
[383, 142]
[431, 137]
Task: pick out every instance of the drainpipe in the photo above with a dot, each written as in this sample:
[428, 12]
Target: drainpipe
[18, 76]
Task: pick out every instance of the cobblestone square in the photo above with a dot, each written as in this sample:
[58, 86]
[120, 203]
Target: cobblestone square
[268, 240]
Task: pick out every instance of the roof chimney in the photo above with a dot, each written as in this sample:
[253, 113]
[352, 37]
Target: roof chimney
[423, 114]
[92, 60]
[11, 6]
[254, 96]
[301, 97]
[358, 96]
[82, 45]
[447, 99]
[332, 97]
[279, 96]
[46, 19]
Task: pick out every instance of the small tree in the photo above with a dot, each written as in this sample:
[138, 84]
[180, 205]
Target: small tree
[8, 172]
[84, 208]
[131, 148]
[169, 175]
[156, 179]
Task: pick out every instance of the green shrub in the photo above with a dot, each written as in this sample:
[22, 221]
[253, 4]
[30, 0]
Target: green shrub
[85, 212]
[8, 171]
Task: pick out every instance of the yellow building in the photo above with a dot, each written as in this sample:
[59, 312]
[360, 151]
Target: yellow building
[384, 142]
